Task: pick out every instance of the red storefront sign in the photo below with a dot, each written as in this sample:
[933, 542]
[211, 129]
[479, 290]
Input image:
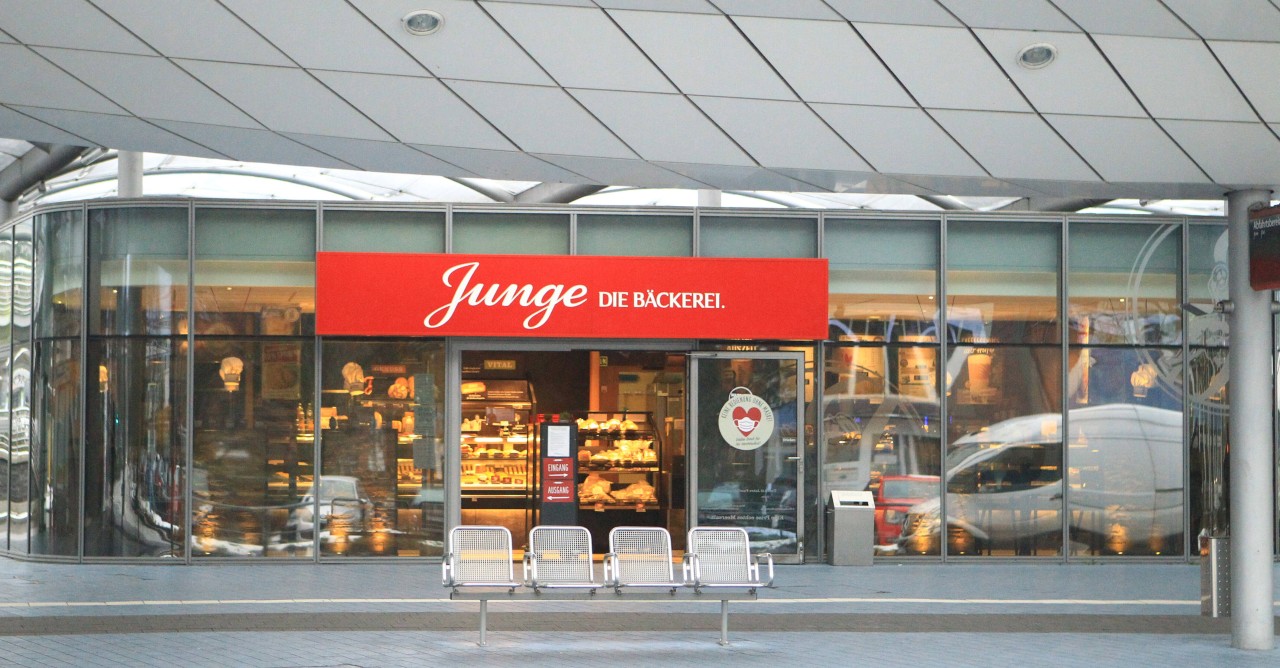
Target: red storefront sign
[557, 467]
[396, 294]
[557, 491]
[1264, 249]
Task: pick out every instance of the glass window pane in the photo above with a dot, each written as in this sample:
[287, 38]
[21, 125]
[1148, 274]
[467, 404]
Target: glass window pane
[384, 231]
[880, 423]
[1123, 283]
[138, 270]
[55, 453]
[511, 233]
[255, 272]
[1124, 452]
[1209, 405]
[1207, 274]
[253, 450]
[60, 292]
[135, 448]
[20, 390]
[884, 277]
[384, 446]
[1004, 454]
[744, 236]
[6, 358]
[632, 236]
[1002, 282]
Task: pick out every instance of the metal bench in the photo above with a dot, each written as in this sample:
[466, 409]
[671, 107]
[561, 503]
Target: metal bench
[558, 566]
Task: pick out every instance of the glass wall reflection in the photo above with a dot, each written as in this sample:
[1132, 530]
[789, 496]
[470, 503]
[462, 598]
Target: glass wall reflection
[884, 279]
[252, 467]
[137, 271]
[1009, 296]
[6, 358]
[55, 453]
[135, 448]
[20, 389]
[382, 467]
[1123, 284]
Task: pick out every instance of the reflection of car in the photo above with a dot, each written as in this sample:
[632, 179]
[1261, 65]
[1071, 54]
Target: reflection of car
[897, 494]
[343, 504]
[1006, 484]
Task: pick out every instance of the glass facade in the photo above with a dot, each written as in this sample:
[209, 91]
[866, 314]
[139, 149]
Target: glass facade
[1049, 386]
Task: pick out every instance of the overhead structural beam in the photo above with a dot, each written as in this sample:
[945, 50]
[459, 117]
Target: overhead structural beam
[1052, 204]
[493, 193]
[556, 193]
[945, 202]
[35, 166]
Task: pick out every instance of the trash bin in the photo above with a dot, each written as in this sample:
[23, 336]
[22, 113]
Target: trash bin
[1215, 576]
[851, 528]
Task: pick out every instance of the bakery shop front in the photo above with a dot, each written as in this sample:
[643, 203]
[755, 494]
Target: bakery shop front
[666, 435]
[208, 380]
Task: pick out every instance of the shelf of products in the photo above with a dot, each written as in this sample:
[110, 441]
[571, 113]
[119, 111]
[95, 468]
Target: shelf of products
[497, 448]
[619, 462]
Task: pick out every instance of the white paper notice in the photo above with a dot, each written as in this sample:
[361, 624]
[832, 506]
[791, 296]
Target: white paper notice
[558, 442]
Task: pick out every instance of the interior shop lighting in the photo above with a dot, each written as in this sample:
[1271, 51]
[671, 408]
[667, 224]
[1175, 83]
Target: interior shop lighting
[232, 368]
[1037, 56]
[422, 22]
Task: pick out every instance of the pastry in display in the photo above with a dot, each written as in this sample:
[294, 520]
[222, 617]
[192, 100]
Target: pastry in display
[595, 489]
[640, 492]
[399, 389]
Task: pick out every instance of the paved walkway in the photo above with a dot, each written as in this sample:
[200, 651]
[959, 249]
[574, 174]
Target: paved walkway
[293, 615]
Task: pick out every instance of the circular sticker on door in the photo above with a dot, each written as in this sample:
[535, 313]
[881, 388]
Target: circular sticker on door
[746, 421]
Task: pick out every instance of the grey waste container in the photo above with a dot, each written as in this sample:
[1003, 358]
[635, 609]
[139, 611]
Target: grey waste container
[851, 528]
[1215, 576]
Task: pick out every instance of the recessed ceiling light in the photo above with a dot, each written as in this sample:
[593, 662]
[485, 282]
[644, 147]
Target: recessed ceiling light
[1036, 56]
[422, 22]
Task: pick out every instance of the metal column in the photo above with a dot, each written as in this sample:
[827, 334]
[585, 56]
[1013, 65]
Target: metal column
[129, 173]
[1251, 463]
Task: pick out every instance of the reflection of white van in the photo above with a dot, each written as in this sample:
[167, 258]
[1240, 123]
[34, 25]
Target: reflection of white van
[1005, 484]
[870, 436]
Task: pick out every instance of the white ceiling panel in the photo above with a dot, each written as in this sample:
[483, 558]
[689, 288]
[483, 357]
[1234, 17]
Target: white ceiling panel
[899, 140]
[278, 96]
[1010, 14]
[943, 67]
[963, 186]
[601, 55]
[253, 145]
[1127, 149]
[687, 6]
[380, 156]
[645, 122]
[13, 124]
[70, 23]
[850, 74]
[631, 172]
[415, 110]
[505, 165]
[122, 132]
[703, 55]
[1234, 154]
[26, 78]
[469, 46]
[325, 34]
[781, 134]
[4, 37]
[791, 9]
[909, 12]
[170, 93]
[1078, 82]
[1149, 18]
[1255, 67]
[729, 177]
[1230, 19]
[1014, 145]
[571, 3]
[849, 182]
[184, 30]
[542, 119]
[1159, 72]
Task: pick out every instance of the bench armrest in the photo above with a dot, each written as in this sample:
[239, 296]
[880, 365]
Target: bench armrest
[768, 559]
[689, 569]
[611, 569]
[447, 570]
[530, 570]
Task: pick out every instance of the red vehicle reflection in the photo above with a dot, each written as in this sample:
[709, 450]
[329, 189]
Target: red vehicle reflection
[897, 494]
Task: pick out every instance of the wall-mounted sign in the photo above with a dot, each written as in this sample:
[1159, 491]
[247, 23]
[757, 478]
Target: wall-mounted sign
[746, 421]
[572, 297]
[499, 365]
[1264, 249]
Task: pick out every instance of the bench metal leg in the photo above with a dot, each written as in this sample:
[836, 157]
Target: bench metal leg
[724, 623]
[484, 621]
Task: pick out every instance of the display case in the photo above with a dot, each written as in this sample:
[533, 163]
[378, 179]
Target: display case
[497, 441]
[620, 462]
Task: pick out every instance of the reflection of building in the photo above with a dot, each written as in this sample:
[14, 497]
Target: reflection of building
[180, 459]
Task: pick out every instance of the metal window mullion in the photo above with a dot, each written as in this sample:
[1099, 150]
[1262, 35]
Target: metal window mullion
[316, 436]
[940, 383]
[573, 232]
[84, 373]
[452, 432]
[1185, 259]
[1064, 401]
[448, 229]
[697, 232]
[188, 467]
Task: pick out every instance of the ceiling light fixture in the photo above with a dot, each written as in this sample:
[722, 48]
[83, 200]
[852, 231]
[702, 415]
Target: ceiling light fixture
[1037, 56]
[422, 22]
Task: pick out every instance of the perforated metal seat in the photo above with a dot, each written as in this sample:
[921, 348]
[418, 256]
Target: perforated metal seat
[639, 557]
[721, 557]
[479, 556]
[559, 556]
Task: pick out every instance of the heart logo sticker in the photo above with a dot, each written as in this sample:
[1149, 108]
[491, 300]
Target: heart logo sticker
[746, 421]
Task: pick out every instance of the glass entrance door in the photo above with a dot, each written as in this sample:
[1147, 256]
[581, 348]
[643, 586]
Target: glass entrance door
[745, 462]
